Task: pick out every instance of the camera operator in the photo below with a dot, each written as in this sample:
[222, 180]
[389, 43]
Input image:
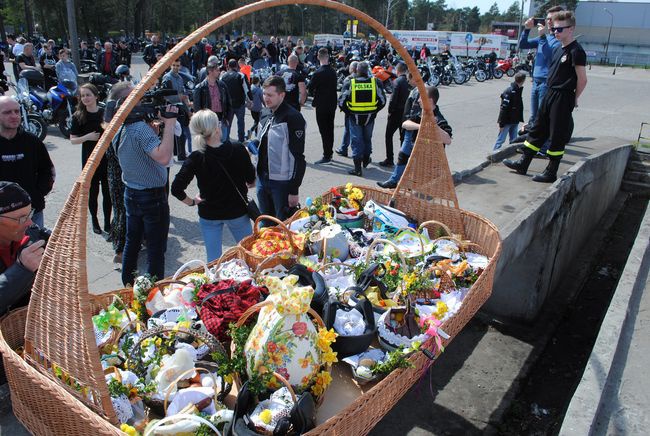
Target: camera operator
[21, 246]
[144, 158]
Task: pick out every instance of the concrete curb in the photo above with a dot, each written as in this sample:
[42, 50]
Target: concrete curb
[599, 376]
[497, 156]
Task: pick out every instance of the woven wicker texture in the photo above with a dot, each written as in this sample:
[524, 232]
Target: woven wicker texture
[59, 327]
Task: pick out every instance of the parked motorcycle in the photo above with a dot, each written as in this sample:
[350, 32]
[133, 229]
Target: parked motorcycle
[505, 66]
[55, 105]
[31, 121]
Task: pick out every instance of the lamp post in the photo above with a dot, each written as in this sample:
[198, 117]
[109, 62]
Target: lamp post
[413, 19]
[611, 23]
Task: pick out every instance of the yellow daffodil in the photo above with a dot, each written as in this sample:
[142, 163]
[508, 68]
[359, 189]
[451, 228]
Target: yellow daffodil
[131, 431]
[265, 416]
[330, 357]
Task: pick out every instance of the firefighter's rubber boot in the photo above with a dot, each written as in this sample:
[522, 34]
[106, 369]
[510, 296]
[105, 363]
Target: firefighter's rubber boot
[521, 165]
[550, 173]
[356, 171]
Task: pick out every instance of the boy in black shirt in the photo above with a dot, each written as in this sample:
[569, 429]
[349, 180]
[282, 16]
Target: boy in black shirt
[567, 78]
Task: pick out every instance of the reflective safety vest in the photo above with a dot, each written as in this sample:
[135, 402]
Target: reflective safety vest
[363, 96]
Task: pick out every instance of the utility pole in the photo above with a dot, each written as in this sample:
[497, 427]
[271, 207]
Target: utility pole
[72, 25]
[611, 23]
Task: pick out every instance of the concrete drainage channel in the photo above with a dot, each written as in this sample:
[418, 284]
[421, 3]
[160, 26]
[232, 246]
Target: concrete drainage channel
[569, 326]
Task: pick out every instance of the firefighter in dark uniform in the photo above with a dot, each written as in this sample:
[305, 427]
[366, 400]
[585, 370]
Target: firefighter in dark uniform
[362, 97]
[567, 78]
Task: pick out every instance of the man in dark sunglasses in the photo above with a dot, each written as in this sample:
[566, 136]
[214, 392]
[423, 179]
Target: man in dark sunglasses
[21, 246]
[567, 80]
[544, 45]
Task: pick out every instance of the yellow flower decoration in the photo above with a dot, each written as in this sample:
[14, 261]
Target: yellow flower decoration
[131, 431]
[348, 187]
[323, 379]
[330, 357]
[325, 339]
[265, 416]
[441, 309]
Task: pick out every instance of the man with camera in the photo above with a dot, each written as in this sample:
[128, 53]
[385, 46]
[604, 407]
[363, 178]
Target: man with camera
[22, 244]
[144, 157]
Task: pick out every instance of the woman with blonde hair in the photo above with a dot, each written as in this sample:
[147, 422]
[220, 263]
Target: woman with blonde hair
[223, 171]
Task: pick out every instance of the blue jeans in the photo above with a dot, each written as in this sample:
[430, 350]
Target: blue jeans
[273, 198]
[346, 134]
[147, 215]
[212, 231]
[240, 112]
[405, 151]
[507, 130]
[188, 136]
[361, 139]
[225, 130]
[39, 219]
[537, 94]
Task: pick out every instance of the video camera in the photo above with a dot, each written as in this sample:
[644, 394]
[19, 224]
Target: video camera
[152, 106]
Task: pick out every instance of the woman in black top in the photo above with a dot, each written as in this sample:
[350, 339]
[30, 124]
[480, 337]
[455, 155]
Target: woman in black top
[86, 129]
[223, 172]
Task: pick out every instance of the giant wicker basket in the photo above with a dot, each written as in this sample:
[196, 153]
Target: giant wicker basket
[56, 330]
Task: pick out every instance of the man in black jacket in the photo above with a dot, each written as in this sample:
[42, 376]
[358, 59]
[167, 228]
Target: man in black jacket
[239, 95]
[323, 86]
[150, 51]
[396, 112]
[511, 112]
[85, 53]
[123, 54]
[213, 94]
[24, 158]
[281, 160]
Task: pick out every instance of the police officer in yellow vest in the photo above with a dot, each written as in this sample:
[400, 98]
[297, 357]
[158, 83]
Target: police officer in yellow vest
[361, 98]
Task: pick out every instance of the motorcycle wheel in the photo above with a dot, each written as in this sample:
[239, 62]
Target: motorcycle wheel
[65, 125]
[37, 126]
[445, 80]
[459, 78]
[434, 80]
[498, 74]
[510, 72]
[468, 75]
[480, 76]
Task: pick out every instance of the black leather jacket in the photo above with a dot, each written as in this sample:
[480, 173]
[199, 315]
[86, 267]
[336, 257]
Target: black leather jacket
[201, 98]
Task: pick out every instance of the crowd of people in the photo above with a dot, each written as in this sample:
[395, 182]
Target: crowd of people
[134, 179]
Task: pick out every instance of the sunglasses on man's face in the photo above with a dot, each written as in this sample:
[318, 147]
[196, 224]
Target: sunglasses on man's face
[559, 29]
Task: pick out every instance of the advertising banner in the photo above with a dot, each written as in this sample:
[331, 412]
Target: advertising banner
[416, 38]
[477, 44]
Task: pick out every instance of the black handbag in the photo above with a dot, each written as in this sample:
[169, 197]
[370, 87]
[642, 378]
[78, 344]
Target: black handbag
[301, 419]
[252, 209]
[350, 345]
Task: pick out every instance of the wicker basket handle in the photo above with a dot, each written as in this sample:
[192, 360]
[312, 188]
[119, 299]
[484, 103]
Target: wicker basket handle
[190, 263]
[280, 224]
[115, 339]
[437, 223]
[417, 232]
[285, 254]
[288, 386]
[386, 241]
[257, 307]
[210, 341]
[462, 245]
[337, 264]
[182, 376]
[117, 297]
